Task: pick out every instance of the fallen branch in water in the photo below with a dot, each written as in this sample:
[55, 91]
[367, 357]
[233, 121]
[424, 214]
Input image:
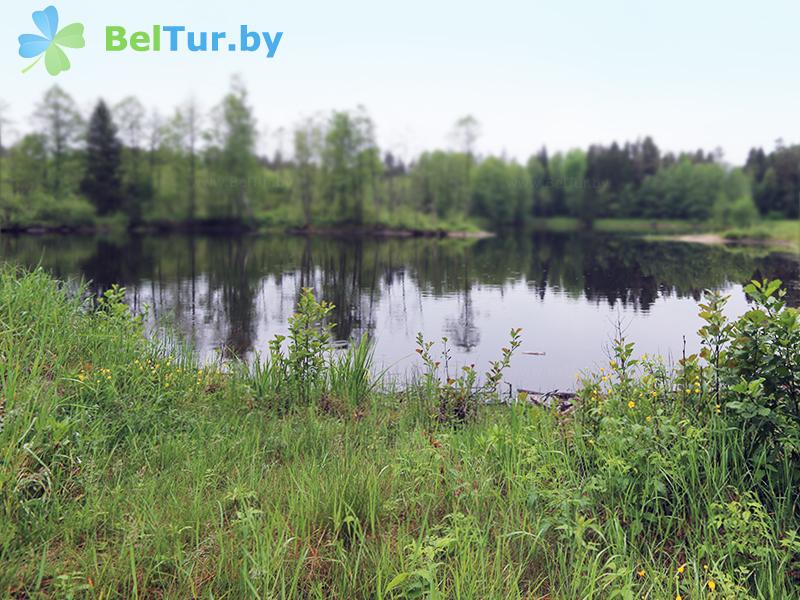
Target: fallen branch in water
[563, 401]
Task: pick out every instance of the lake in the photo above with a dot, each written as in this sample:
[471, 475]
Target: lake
[230, 295]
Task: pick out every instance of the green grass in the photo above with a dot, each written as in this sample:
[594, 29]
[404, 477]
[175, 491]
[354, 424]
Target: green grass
[127, 471]
[661, 226]
[398, 219]
[631, 226]
[782, 230]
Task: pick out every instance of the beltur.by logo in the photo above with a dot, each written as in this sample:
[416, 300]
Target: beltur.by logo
[51, 42]
[169, 38]
[176, 38]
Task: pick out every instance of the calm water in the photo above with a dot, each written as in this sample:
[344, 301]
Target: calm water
[232, 294]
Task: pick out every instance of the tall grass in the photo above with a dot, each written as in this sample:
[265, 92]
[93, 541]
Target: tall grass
[129, 471]
[350, 374]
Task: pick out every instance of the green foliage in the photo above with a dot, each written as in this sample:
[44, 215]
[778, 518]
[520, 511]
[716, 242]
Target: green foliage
[754, 372]
[687, 190]
[501, 192]
[741, 212]
[542, 201]
[234, 163]
[734, 207]
[295, 371]
[71, 210]
[573, 180]
[304, 368]
[127, 470]
[307, 146]
[61, 128]
[28, 162]
[764, 374]
[350, 165]
[203, 169]
[441, 183]
[102, 183]
[427, 558]
[309, 343]
[460, 394]
[776, 180]
[350, 374]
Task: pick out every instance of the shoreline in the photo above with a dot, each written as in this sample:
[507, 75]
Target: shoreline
[370, 231]
[780, 234]
[385, 232]
[717, 239]
[653, 230]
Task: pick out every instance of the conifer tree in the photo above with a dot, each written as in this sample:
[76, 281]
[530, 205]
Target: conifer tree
[102, 183]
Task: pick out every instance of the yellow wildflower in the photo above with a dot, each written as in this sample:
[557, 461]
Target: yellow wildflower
[631, 404]
[641, 573]
[712, 585]
[681, 569]
[648, 418]
[678, 597]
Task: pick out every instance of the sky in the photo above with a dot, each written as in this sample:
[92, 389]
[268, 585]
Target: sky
[568, 73]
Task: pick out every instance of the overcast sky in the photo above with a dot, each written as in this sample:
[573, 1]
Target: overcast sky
[561, 73]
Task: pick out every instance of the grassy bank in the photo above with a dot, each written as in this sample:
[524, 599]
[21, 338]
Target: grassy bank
[398, 223]
[784, 231]
[128, 470]
[633, 226]
[781, 231]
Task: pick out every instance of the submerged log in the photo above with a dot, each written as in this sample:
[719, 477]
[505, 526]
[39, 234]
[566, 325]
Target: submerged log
[563, 401]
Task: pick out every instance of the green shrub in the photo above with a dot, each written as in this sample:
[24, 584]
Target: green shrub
[304, 367]
[71, 211]
[763, 377]
[740, 212]
[14, 210]
[458, 392]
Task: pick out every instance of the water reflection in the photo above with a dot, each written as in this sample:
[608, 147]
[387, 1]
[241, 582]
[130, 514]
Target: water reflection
[233, 293]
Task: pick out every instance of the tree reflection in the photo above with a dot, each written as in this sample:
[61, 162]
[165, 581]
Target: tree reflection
[223, 291]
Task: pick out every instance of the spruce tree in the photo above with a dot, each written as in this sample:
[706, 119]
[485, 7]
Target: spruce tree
[102, 183]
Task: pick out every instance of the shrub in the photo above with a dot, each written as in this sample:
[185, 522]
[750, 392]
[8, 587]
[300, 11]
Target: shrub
[71, 211]
[304, 366]
[763, 372]
[460, 393]
[741, 212]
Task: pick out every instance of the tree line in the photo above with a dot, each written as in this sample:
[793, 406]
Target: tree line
[133, 166]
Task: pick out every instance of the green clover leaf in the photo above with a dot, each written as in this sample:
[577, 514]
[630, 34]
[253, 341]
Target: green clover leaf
[55, 59]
